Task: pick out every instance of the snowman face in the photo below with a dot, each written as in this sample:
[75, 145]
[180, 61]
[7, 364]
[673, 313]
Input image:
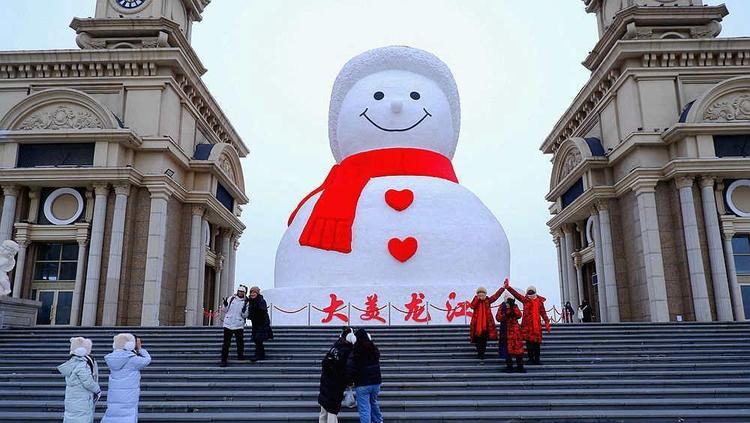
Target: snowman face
[395, 108]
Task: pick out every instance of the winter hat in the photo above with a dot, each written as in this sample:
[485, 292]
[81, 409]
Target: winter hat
[531, 288]
[124, 341]
[350, 337]
[481, 289]
[391, 58]
[255, 289]
[80, 346]
[242, 288]
[506, 296]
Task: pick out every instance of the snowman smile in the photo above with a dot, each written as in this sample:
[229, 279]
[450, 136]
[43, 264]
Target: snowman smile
[426, 113]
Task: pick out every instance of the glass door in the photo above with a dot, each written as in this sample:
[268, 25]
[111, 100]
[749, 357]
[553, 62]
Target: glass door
[55, 267]
[55, 309]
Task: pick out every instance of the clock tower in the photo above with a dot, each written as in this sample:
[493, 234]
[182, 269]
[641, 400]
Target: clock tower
[119, 24]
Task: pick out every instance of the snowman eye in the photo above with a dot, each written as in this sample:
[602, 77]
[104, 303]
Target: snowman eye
[378, 95]
[414, 95]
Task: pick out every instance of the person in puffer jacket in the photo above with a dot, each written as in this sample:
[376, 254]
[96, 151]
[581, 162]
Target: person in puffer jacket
[363, 369]
[124, 391]
[81, 382]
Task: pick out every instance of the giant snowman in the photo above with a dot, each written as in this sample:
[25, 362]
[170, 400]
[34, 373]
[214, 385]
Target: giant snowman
[390, 228]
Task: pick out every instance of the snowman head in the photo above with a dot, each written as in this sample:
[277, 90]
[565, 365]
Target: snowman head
[394, 97]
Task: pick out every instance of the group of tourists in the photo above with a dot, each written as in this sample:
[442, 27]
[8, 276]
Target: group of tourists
[352, 362]
[82, 389]
[585, 313]
[350, 370]
[237, 309]
[511, 335]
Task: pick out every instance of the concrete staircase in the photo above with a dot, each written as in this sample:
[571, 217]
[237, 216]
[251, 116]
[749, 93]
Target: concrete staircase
[678, 372]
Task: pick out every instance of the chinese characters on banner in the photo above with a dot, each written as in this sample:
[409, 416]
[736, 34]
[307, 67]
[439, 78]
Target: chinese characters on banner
[416, 310]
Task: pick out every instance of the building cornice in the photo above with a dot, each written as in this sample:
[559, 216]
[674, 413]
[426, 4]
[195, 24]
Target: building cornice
[651, 54]
[50, 65]
[681, 130]
[650, 16]
[119, 136]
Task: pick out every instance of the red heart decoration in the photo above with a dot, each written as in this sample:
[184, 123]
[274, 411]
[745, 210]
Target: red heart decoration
[399, 200]
[402, 250]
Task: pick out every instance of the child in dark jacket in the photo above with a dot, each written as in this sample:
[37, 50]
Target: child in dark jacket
[363, 368]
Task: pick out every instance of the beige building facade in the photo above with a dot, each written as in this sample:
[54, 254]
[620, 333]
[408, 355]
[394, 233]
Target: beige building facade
[650, 185]
[120, 175]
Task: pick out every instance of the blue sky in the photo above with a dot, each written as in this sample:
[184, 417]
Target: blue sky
[271, 65]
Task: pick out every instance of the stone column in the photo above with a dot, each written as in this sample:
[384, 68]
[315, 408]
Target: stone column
[226, 246]
[93, 269]
[715, 251]
[9, 211]
[599, 263]
[205, 228]
[573, 294]
[736, 292]
[694, 254]
[218, 277]
[608, 261]
[196, 242]
[114, 261]
[157, 237]
[23, 243]
[75, 308]
[233, 263]
[556, 240]
[652, 257]
[578, 263]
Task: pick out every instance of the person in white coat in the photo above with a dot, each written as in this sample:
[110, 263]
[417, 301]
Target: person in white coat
[124, 391]
[235, 315]
[81, 382]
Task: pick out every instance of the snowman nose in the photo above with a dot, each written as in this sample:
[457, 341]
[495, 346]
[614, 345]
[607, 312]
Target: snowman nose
[396, 106]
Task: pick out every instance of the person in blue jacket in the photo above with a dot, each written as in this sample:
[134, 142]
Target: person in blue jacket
[81, 382]
[124, 391]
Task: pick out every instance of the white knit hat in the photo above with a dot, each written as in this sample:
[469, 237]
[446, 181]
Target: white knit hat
[242, 288]
[391, 58]
[80, 346]
[124, 341]
[531, 288]
[507, 295]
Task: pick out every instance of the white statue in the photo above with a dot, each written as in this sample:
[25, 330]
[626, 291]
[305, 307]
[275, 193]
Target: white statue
[8, 250]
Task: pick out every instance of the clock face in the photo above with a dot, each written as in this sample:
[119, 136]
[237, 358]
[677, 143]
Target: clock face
[130, 4]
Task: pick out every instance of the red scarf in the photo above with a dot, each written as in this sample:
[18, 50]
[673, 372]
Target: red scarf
[330, 224]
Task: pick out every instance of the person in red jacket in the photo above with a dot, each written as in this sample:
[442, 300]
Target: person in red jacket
[531, 325]
[511, 338]
[482, 327]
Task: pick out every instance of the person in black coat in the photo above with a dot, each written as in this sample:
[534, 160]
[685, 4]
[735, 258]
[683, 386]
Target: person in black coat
[587, 312]
[333, 379]
[261, 323]
[363, 368]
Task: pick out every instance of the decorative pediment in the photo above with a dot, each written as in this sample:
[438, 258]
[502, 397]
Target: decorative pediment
[570, 161]
[61, 116]
[228, 161]
[58, 109]
[729, 108]
[727, 101]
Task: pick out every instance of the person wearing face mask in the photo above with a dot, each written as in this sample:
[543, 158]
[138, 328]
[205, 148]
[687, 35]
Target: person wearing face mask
[333, 378]
[482, 327]
[511, 338]
[531, 326]
[235, 314]
[261, 323]
[81, 382]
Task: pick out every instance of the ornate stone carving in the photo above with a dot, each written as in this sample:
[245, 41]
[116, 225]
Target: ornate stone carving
[570, 161]
[8, 250]
[226, 166]
[730, 108]
[62, 116]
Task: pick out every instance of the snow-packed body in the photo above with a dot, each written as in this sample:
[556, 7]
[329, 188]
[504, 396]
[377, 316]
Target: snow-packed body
[459, 241]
